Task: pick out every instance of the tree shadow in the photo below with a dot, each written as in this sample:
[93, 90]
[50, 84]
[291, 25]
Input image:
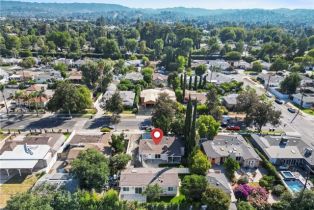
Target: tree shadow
[98, 122]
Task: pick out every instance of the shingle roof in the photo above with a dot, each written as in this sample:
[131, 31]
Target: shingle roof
[168, 145]
[231, 99]
[144, 176]
[285, 147]
[224, 145]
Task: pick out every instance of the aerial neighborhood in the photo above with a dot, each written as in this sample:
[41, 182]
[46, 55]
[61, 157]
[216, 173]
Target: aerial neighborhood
[111, 108]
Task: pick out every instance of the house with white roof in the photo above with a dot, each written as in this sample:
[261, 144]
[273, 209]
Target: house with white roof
[149, 96]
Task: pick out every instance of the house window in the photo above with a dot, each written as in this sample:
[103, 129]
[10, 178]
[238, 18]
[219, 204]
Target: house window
[238, 158]
[138, 190]
[170, 189]
[125, 189]
[157, 156]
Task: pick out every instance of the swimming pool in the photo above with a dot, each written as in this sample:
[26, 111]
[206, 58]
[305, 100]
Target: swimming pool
[295, 185]
[287, 174]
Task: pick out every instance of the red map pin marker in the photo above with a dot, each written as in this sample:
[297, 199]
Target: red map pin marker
[157, 135]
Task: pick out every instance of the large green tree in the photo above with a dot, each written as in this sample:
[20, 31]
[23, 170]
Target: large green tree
[70, 98]
[91, 169]
[231, 166]
[199, 163]
[207, 126]
[163, 113]
[193, 186]
[153, 192]
[290, 84]
[216, 198]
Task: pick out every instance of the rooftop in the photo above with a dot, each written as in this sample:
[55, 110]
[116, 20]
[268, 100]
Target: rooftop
[224, 145]
[144, 176]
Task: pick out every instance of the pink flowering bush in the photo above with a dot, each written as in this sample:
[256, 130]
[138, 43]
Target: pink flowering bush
[242, 191]
[257, 196]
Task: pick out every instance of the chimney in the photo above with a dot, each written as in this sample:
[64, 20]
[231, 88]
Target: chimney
[182, 150]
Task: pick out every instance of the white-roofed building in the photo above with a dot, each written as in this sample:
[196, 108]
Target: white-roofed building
[26, 157]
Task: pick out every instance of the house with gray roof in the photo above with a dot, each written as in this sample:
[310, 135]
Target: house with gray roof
[134, 76]
[127, 97]
[285, 150]
[231, 145]
[133, 182]
[169, 150]
[230, 101]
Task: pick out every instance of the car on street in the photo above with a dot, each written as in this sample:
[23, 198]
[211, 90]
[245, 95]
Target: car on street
[233, 128]
[292, 110]
[269, 95]
[278, 101]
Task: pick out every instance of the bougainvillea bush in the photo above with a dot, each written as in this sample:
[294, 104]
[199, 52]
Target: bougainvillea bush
[257, 196]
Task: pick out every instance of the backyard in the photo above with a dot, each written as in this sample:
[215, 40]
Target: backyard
[16, 184]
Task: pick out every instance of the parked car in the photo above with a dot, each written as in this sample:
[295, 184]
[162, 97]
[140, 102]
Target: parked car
[233, 128]
[278, 101]
[269, 95]
[292, 110]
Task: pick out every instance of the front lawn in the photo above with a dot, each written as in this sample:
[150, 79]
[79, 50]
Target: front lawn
[16, 184]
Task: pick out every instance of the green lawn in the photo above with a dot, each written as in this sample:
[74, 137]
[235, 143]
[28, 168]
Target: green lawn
[16, 184]
[308, 111]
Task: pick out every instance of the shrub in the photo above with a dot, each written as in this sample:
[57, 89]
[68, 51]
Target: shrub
[242, 191]
[243, 180]
[267, 182]
[105, 130]
[278, 190]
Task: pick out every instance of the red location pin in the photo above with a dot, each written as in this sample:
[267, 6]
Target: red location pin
[157, 135]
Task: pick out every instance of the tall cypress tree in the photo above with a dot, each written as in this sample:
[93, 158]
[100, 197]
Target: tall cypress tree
[200, 83]
[190, 83]
[195, 82]
[189, 59]
[192, 139]
[204, 81]
[181, 81]
[187, 127]
[184, 86]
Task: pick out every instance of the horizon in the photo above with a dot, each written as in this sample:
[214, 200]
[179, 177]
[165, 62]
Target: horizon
[203, 4]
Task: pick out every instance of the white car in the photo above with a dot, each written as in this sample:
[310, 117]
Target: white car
[269, 95]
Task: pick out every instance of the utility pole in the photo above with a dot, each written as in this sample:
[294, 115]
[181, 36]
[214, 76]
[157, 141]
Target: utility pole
[267, 86]
[301, 103]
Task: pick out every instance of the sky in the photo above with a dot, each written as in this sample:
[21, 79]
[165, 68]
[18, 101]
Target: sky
[208, 4]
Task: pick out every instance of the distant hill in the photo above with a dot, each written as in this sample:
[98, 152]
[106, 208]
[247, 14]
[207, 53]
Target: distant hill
[114, 12]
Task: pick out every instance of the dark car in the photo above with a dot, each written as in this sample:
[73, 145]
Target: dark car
[292, 110]
[278, 101]
[233, 128]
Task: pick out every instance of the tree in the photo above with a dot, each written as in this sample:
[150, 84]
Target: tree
[233, 56]
[91, 73]
[108, 47]
[279, 65]
[193, 186]
[114, 104]
[12, 42]
[200, 70]
[62, 67]
[4, 99]
[158, 46]
[247, 100]
[212, 99]
[118, 162]
[302, 201]
[27, 200]
[186, 46]
[163, 113]
[199, 163]
[142, 47]
[257, 66]
[290, 83]
[118, 143]
[148, 74]
[216, 198]
[131, 45]
[231, 166]
[91, 169]
[173, 80]
[207, 126]
[242, 205]
[264, 113]
[188, 126]
[28, 62]
[70, 98]
[153, 192]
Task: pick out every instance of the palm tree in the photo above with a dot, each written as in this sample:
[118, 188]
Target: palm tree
[5, 102]
[18, 94]
[34, 96]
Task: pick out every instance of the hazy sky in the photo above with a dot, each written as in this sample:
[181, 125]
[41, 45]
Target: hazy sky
[209, 4]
